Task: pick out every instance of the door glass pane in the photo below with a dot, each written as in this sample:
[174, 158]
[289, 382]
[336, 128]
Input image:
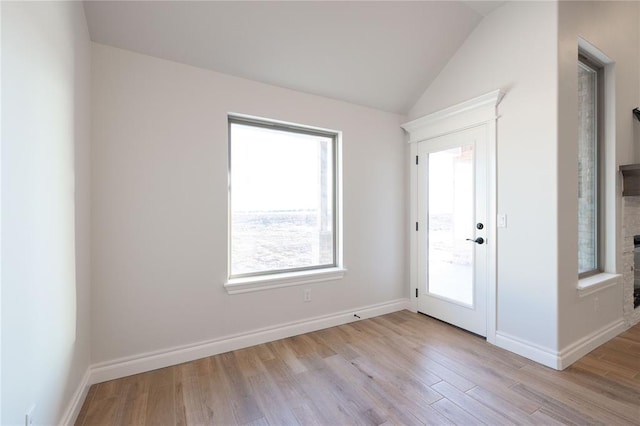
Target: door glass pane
[451, 220]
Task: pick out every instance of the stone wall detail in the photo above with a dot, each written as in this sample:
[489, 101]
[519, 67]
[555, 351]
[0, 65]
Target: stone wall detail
[630, 228]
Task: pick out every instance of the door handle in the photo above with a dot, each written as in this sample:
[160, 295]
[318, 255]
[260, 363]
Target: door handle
[478, 240]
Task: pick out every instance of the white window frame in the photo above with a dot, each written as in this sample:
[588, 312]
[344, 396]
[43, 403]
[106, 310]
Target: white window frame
[284, 278]
[597, 68]
[609, 198]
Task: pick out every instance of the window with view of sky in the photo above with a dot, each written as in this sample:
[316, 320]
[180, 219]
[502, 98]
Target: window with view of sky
[282, 198]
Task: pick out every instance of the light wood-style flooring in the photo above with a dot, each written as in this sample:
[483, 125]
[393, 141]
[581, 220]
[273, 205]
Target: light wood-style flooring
[401, 368]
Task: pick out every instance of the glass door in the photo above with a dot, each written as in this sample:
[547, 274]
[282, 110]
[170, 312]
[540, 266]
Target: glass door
[452, 217]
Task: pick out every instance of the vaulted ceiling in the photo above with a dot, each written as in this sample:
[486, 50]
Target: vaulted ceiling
[377, 54]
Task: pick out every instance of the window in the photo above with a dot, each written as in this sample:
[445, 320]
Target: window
[283, 198]
[589, 167]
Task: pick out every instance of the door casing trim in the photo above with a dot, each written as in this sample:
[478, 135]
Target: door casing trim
[480, 111]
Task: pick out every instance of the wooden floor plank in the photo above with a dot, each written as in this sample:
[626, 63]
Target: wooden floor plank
[482, 412]
[292, 392]
[305, 415]
[456, 414]
[625, 345]
[590, 401]
[610, 366]
[540, 418]
[555, 408]
[330, 408]
[396, 380]
[243, 403]
[351, 398]
[271, 401]
[160, 406]
[391, 353]
[396, 369]
[105, 411]
[472, 369]
[628, 360]
[190, 396]
[135, 410]
[87, 403]
[335, 339]
[219, 399]
[282, 351]
[397, 407]
[322, 348]
[505, 406]
[608, 386]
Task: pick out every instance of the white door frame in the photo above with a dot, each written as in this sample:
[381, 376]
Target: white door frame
[480, 111]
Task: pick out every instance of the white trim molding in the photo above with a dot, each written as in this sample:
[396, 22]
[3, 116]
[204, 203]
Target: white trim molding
[75, 405]
[265, 282]
[148, 361]
[560, 360]
[457, 117]
[534, 352]
[598, 282]
[479, 111]
[583, 346]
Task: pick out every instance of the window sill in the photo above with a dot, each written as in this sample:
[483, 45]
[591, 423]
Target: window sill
[597, 282]
[266, 282]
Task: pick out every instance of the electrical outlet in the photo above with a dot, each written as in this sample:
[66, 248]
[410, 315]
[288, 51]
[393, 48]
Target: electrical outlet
[28, 417]
[307, 295]
[502, 221]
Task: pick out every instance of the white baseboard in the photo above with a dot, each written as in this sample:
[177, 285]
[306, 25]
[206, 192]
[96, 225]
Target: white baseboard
[583, 346]
[73, 409]
[564, 358]
[537, 353]
[159, 359]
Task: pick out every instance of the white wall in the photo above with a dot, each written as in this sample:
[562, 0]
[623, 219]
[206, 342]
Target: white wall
[612, 27]
[45, 207]
[159, 205]
[515, 49]
[0, 215]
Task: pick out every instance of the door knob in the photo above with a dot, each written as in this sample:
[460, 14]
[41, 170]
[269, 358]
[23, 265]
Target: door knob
[478, 240]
